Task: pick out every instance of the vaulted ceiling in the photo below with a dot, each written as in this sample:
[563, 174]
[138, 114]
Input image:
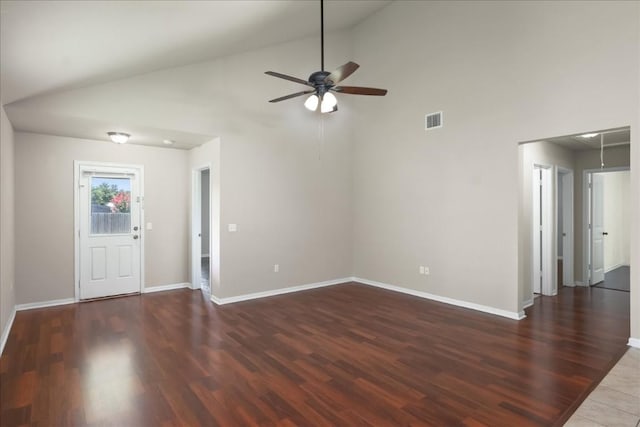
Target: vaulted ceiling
[53, 48]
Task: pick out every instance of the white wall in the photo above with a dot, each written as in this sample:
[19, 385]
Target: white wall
[616, 204]
[45, 214]
[7, 224]
[502, 72]
[289, 194]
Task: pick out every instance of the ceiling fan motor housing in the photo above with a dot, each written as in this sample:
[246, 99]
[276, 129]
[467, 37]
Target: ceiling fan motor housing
[317, 79]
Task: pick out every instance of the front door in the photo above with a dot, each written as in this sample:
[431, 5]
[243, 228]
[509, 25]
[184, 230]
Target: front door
[109, 235]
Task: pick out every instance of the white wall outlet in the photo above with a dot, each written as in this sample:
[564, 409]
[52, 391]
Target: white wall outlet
[149, 226]
[426, 271]
[233, 227]
[276, 268]
[421, 269]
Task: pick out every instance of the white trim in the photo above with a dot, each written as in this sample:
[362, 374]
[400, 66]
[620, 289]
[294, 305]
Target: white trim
[459, 303]
[7, 329]
[204, 256]
[163, 288]
[528, 303]
[606, 270]
[265, 294]
[634, 342]
[44, 304]
[568, 258]
[196, 224]
[579, 283]
[82, 164]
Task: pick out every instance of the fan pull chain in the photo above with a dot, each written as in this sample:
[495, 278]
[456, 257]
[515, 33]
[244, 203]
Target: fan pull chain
[601, 151]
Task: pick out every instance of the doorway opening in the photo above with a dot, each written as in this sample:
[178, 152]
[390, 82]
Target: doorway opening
[607, 228]
[201, 229]
[574, 162]
[564, 221]
[542, 230]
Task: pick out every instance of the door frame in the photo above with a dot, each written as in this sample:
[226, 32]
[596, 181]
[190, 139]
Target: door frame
[107, 167]
[568, 263]
[548, 252]
[586, 206]
[196, 220]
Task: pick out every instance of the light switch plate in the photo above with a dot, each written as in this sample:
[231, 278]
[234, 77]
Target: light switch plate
[149, 226]
[233, 227]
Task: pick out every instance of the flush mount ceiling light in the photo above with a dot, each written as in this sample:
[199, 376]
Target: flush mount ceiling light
[118, 137]
[589, 135]
[321, 82]
[168, 141]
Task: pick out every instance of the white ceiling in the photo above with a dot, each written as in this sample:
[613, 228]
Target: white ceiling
[51, 46]
[611, 138]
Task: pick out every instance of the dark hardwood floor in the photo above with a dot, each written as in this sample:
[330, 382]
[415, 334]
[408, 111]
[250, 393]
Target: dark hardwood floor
[342, 355]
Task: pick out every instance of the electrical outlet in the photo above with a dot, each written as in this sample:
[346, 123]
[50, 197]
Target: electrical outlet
[276, 268]
[421, 269]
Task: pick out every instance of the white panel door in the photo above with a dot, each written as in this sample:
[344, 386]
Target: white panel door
[597, 228]
[110, 244]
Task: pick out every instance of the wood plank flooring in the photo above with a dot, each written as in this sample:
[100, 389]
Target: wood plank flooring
[343, 355]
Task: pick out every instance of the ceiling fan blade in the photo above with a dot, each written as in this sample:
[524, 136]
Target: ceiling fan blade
[357, 90]
[341, 73]
[292, 79]
[293, 95]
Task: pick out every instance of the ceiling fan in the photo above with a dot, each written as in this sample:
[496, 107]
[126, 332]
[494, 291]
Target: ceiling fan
[323, 82]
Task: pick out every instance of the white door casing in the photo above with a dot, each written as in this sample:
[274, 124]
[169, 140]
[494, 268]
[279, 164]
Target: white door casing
[542, 232]
[597, 229]
[109, 248]
[567, 226]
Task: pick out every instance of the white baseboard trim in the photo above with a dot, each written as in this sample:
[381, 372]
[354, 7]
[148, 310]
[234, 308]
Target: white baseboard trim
[170, 287]
[579, 283]
[44, 304]
[7, 329]
[528, 303]
[606, 270]
[446, 300]
[265, 294]
[634, 342]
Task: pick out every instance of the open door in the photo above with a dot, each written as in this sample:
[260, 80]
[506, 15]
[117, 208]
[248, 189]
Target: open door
[565, 225]
[597, 229]
[542, 231]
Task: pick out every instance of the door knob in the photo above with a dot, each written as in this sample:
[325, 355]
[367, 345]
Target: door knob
[604, 233]
[135, 228]
[135, 236]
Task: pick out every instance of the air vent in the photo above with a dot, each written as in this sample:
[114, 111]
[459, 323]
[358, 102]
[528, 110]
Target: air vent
[433, 121]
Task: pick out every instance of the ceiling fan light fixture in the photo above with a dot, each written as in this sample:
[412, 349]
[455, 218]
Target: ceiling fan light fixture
[329, 102]
[589, 135]
[312, 103]
[118, 137]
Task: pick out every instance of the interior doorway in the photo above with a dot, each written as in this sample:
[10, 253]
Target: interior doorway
[607, 213]
[542, 230]
[564, 227]
[201, 229]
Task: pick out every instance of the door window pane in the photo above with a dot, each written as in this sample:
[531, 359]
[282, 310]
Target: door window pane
[110, 205]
